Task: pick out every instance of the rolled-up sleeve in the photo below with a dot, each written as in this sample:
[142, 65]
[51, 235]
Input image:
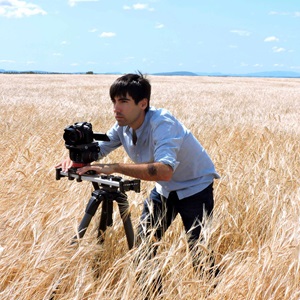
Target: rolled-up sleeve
[168, 138]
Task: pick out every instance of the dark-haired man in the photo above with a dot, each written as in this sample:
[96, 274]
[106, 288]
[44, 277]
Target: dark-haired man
[164, 151]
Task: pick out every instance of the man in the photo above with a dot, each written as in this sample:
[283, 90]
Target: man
[163, 151]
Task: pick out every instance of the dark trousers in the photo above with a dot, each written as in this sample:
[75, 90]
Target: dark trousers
[159, 212]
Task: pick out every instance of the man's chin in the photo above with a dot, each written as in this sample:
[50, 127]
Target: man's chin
[121, 123]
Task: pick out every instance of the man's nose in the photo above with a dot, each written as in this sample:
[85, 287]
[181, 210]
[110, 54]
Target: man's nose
[116, 107]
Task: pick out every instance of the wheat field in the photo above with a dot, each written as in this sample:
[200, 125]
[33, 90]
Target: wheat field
[249, 126]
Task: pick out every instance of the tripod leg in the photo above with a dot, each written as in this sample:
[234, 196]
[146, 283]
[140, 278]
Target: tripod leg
[83, 226]
[90, 211]
[103, 222]
[125, 215]
[106, 217]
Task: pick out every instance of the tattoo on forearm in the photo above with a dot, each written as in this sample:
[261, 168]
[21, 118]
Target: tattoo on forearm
[152, 171]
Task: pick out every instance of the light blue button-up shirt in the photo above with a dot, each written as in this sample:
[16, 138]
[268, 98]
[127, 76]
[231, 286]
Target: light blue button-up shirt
[162, 138]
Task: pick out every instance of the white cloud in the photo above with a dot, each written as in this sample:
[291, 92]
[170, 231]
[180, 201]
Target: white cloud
[138, 6]
[159, 26]
[277, 13]
[241, 32]
[93, 30]
[128, 58]
[243, 64]
[278, 49]
[19, 9]
[74, 2]
[7, 61]
[284, 13]
[271, 39]
[107, 34]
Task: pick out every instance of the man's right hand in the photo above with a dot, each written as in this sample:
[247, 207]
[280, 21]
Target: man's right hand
[65, 165]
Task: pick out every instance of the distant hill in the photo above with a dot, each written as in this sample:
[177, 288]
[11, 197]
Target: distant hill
[178, 73]
[270, 74]
[279, 74]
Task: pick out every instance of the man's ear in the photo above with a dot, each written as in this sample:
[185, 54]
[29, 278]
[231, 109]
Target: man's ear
[143, 103]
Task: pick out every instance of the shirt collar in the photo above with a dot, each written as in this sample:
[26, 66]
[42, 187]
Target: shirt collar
[143, 126]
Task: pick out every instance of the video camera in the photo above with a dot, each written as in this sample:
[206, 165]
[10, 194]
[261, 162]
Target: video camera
[79, 139]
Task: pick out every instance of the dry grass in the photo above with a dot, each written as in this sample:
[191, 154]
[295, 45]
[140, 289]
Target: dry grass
[251, 129]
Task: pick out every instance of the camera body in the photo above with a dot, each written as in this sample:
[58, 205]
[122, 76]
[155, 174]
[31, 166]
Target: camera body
[78, 134]
[79, 140]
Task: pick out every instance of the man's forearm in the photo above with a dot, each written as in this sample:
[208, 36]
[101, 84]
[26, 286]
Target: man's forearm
[149, 171]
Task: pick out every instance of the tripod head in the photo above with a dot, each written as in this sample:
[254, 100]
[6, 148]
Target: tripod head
[107, 182]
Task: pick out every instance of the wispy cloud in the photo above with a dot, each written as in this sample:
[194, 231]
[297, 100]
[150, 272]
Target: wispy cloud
[107, 34]
[271, 39]
[278, 49]
[129, 58]
[243, 64]
[159, 26]
[284, 13]
[240, 32]
[93, 30]
[19, 9]
[74, 2]
[138, 6]
[278, 13]
[7, 61]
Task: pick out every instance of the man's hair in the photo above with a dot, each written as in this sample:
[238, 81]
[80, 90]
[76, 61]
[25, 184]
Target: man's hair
[136, 85]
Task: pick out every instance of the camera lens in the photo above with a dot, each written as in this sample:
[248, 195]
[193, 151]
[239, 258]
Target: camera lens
[72, 136]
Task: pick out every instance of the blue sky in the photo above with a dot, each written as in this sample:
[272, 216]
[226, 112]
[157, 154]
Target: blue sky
[233, 36]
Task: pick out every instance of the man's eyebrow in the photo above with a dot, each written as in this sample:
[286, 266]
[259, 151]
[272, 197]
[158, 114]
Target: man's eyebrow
[120, 99]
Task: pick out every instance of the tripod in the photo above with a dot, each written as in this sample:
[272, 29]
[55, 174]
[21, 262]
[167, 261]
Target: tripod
[106, 190]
